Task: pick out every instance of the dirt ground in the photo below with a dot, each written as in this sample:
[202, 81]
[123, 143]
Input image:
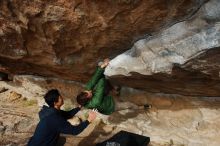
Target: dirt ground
[173, 121]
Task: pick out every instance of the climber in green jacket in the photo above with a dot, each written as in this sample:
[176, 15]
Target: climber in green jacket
[94, 95]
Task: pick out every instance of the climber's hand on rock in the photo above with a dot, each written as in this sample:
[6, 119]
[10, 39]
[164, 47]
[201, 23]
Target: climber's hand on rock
[105, 63]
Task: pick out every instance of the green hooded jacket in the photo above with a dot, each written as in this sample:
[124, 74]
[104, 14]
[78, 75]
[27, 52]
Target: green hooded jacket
[104, 103]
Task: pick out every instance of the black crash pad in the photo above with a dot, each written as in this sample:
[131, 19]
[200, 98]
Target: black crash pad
[124, 138]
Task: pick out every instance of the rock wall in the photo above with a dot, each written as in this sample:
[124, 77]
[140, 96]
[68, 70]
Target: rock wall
[66, 39]
[173, 119]
[181, 59]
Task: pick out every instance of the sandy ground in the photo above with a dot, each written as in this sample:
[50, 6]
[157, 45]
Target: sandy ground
[173, 121]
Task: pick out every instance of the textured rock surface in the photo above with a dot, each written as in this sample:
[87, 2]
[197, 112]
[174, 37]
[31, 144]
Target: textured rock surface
[181, 59]
[66, 38]
[174, 120]
[178, 53]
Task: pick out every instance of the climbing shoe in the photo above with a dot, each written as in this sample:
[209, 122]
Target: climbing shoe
[147, 106]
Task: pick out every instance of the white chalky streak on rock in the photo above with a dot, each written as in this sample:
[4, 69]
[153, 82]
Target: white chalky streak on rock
[177, 44]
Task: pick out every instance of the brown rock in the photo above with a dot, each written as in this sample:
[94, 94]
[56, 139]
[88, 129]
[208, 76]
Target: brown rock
[14, 96]
[67, 38]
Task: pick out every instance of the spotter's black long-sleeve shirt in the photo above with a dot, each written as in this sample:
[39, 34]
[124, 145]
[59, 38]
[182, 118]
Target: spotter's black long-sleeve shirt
[52, 123]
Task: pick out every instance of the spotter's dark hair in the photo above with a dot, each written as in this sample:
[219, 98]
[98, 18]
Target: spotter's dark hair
[52, 96]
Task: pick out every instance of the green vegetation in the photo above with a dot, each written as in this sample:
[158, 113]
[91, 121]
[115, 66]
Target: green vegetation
[30, 102]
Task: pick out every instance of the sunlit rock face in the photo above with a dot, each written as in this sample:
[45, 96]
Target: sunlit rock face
[66, 39]
[183, 58]
[176, 49]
